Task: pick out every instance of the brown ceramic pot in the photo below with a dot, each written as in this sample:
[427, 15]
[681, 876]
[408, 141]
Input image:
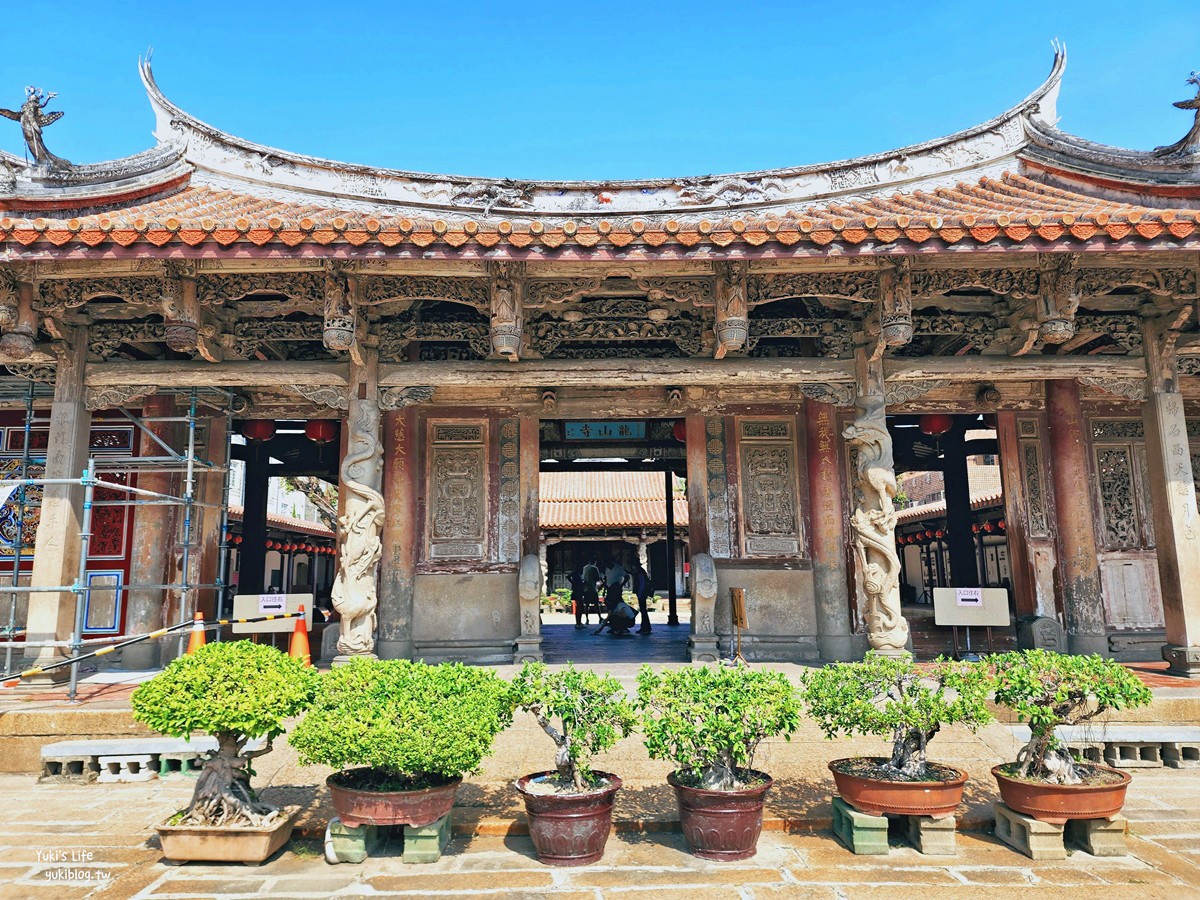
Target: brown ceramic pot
[570, 829]
[902, 798]
[416, 808]
[722, 825]
[205, 843]
[1059, 803]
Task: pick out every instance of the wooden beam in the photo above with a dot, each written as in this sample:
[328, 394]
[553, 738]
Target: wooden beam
[729, 372]
[42, 355]
[610, 372]
[234, 373]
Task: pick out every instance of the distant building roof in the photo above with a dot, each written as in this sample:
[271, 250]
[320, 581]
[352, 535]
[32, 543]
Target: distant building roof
[585, 500]
[236, 513]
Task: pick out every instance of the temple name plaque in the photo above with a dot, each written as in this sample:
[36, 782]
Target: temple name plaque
[971, 607]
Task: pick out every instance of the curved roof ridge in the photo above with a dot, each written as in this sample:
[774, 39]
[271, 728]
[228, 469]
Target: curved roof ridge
[228, 160]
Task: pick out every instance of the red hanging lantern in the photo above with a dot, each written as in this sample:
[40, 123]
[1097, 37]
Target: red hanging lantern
[1000, 525]
[270, 545]
[989, 419]
[974, 528]
[320, 431]
[679, 431]
[940, 534]
[928, 533]
[228, 536]
[259, 429]
[237, 538]
[987, 526]
[935, 424]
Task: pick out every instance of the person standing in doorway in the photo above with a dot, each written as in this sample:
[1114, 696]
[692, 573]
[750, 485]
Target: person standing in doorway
[590, 596]
[577, 597]
[641, 587]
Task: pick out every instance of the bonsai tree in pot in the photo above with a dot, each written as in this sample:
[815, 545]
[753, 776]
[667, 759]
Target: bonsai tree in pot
[710, 720]
[570, 807]
[1048, 690]
[890, 697]
[412, 729]
[236, 691]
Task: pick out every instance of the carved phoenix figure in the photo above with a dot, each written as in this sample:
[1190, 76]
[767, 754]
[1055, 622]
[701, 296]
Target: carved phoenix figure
[33, 120]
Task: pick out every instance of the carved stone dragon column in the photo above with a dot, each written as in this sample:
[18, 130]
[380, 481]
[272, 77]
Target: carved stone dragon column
[507, 299]
[873, 521]
[355, 594]
[732, 311]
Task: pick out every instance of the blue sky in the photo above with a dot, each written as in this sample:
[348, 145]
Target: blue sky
[596, 89]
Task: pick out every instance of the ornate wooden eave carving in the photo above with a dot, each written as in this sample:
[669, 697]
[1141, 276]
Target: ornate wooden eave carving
[1019, 283]
[39, 372]
[377, 289]
[306, 290]
[696, 291]
[835, 336]
[861, 286]
[897, 392]
[1179, 282]
[555, 291]
[65, 294]
[834, 394]
[1125, 388]
[395, 335]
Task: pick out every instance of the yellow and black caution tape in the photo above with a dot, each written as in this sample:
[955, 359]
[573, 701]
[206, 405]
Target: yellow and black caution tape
[14, 679]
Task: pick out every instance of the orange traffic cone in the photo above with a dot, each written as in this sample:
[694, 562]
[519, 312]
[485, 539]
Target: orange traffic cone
[196, 639]
[298, 649]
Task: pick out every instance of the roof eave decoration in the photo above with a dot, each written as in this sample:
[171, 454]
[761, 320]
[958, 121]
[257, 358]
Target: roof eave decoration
[231, 163]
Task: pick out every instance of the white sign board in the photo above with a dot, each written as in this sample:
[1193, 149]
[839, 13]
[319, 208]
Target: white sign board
[250, 606]
[973, 607]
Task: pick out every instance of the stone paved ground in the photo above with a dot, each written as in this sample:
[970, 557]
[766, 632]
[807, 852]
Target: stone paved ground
[63, 842]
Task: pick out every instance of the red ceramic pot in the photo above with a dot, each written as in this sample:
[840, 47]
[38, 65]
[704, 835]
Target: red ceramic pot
[903, 798]
[1059, 803]
[416, 808]
[722, 825]
[570, 829]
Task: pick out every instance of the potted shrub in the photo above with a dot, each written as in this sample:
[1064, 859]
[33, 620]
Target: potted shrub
[570, 807]
[236, 691]
[1046, 690]
[411, 729]
[889, 697]
[710, 721]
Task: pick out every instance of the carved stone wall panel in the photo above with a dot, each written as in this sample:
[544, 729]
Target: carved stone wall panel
[1035, 493]
[1118, 505]
[457, 499]
[719, 531]
[768, 488]
[509, 529]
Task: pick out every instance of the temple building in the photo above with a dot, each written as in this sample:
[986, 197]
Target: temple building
[771, 348]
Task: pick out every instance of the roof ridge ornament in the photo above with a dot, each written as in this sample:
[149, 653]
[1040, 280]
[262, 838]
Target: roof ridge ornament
[1189, 144]
[33, 120]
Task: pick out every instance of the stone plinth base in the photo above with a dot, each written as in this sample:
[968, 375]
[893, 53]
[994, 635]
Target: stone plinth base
[1182, 660]
[866, 834]
[528, 648]
[426, 844]
[1040, 840]
[344, 844]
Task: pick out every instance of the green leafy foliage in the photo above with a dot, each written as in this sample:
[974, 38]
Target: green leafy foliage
[890, 697]
[591, 710]
[1047, 689]
[233, 687]
[404, 718]
[711, 719]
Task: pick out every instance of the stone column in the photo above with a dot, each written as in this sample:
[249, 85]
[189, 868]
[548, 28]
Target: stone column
[399, 536]
[1173, 495]
[827, 524]
[57, 546]
[155, 535]
[361, 513]
[1079, 567]
[873, 521]
[643, 554]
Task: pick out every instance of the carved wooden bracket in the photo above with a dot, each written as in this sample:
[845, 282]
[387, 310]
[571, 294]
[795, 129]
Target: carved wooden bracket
[897, 392]
[1160, 335]
[559, 290]
[1058, 297]
[19, 310]
[732, 310]
[400, 397]
[340, 327]
[114, 396]
[323, 395]
[507, 305]
[1126, 388]
[892, 326]
[834, 394]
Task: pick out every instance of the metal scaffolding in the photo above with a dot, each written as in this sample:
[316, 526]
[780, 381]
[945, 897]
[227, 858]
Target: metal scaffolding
[101, 469]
